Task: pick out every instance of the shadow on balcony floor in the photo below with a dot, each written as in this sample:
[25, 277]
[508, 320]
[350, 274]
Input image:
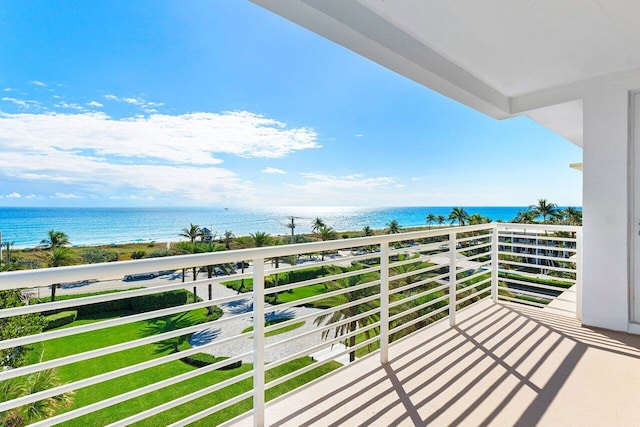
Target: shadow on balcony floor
[502, 365]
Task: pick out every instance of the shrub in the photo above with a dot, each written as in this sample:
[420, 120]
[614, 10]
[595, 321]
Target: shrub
[97, 255]
[161, 253]
[60, 319]
[138, 254]
[138, 304]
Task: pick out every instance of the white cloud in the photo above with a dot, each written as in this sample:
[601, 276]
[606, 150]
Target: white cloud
[71, 106]
[8, 89]
[65, 196]
[273, 170]
[23, 103]
[416, 179]
[146, 106]
[37, 83]
[358, 135]
[354, 189]
[400, 186]
[95, 104]
[13, 195]
[162, 156]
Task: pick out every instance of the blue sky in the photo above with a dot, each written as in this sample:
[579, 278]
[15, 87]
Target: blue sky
[156, 103]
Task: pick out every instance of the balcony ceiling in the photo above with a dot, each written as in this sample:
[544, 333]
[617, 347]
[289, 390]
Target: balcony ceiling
[501, 58]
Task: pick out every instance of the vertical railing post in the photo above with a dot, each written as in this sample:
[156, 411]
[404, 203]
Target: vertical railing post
[579, 252]
[494, 264]
[452, 277]
[384, 302]
[258, 342]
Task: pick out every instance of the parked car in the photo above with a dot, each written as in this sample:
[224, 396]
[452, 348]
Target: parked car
[242, 264]
[141, 276]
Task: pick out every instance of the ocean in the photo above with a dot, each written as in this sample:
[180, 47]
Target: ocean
[26, 227]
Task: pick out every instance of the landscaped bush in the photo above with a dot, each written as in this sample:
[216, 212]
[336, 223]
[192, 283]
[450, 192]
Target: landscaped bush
[138, 254]
[60, 319]
[138, 304]
[200, 360]
[97, 255]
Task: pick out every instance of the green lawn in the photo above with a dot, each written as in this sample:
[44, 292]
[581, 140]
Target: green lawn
[279, 330]
[92, 340]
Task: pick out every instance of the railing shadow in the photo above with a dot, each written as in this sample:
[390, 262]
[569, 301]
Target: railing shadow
[474, 373]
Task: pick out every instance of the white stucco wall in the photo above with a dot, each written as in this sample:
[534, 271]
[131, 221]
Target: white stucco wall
[605, 204]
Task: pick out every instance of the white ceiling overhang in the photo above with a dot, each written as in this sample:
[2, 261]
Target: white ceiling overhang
[503, 58]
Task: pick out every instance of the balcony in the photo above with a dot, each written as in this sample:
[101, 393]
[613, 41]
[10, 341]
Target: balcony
[473, 325]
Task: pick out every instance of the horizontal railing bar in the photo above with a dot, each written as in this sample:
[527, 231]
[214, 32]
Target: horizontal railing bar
[540, 267]
[182, 400]
[220, 406]
[538, 247]
[522, 301]
[473, 276]
[418, 320]
[45, 336]
[534, 284]
[540, 257]
[325, 328]
[468, 297]
[537, 237]
[419, 283]
[329, 294]
[418, 308]
[416, 272]
[318, 280]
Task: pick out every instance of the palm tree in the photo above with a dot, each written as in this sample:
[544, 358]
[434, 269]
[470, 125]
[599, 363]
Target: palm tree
[190, 248]
[525, 217]
[431, 218]
[57, 256]
[367, 231]
[459, 215]
[35, 411]
[327, 233]
[573, 216]
[228, 235]
[350, 312]
[317, 224]
[440, 219]
[260, 239]
[55, 239]
[393, 227]
[544, 209]
[477, 218]
[192, 232]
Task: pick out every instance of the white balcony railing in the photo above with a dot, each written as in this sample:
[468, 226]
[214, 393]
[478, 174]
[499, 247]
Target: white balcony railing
[325, 304]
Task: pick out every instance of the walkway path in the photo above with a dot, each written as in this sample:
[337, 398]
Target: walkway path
[243, 345]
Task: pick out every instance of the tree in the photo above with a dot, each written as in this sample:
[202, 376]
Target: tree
[192, 232]
[431, 218]
[459, 216]
[572, 216]
[525, 217]
[393, 227]
[190, 248]
[367, 231]
[14, 327]
[350, 312]
[260, 239]
[57, 256]
[327, 233]
[544, 209]
[55, 239]
[477, 218]
[228, 235]
[317, 224]
[35, 411]
[440, 219]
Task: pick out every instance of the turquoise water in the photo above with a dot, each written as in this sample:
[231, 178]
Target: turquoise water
[91, 226]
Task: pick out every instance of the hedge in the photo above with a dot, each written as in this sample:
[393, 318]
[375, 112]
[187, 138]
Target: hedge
[60, 319]
[138, 304]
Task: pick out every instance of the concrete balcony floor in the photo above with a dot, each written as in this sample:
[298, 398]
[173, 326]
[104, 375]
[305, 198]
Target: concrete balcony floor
[501, 365]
